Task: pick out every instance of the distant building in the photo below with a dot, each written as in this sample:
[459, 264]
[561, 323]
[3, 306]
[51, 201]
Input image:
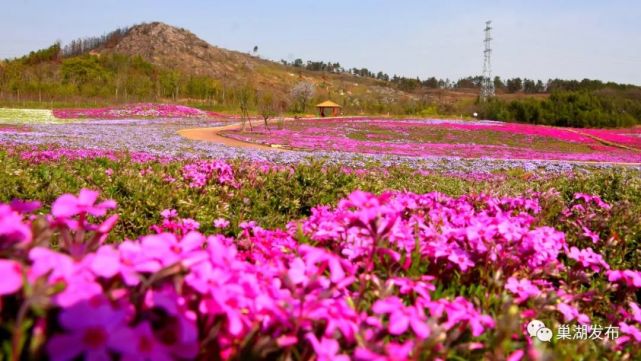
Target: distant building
[327, 108]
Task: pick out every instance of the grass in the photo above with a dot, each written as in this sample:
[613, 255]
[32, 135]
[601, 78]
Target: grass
[27, 116]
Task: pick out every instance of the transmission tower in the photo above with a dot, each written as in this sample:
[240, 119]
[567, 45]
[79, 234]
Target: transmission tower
[487, 86]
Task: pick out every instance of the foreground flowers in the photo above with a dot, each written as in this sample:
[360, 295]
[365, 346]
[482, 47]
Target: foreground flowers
[362, 281]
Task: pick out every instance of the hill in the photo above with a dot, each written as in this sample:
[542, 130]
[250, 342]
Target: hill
[169, 47]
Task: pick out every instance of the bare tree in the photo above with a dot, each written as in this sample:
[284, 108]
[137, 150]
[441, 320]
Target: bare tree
[301, 94]
[244, 99]
[267, 107]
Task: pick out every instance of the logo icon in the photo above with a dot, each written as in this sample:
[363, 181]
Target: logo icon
[538, 330]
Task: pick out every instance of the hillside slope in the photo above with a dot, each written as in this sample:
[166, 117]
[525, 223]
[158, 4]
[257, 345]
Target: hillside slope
[175, 48]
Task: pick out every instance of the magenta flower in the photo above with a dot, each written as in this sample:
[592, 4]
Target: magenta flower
[296, 272]
[11, 272]
[69, 205]
[459, 311]
[588, 259]
[179, 335]
[516, 355]
[24, 207]
[461, 259]
[326, 349]
[402, 317]
[93, 330]
[12, 229]
[523, 288]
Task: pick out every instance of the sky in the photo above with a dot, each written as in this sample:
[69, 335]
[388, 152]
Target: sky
[540, 39]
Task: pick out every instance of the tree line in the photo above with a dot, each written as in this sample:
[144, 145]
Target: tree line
[602, 108]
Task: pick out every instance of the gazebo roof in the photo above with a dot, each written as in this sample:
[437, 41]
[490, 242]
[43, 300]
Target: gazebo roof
[328, 104]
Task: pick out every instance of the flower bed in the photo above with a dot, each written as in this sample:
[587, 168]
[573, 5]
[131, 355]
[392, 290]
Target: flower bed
[395, 276]
[439, 138]
[630, 137]
[144, 110]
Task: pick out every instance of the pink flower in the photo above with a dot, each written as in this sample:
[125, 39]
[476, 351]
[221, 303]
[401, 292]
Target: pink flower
[296, 272]
[79, 281]
[168, 250]
[180, 334]
[636, 312]
[591, 235]
[461, 259]
[69, 205]
[169, 213]
[629, 332]
[94, 328]
[523, 288]
[221, 223]
[588, 259]
[24, 207]
[458, 311]
[327, 349]
[516, 355]
[12, 229]
[402, 317]
[11, 272]
[629, 278]
[127, 261]
[570, 313]
[143, 345]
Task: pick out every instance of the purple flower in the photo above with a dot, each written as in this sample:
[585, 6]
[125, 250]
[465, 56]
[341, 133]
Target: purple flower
[93, 329]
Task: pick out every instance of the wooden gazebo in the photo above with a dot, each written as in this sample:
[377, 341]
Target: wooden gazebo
[328, 108]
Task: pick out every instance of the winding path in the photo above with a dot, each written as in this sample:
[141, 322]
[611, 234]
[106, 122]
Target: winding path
[212, 135]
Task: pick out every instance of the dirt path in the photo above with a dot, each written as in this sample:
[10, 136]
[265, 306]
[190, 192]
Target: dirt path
[212, 135]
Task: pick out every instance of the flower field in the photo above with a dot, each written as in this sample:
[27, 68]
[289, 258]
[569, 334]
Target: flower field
[421, 138]
[120, 239]
[144, 110]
